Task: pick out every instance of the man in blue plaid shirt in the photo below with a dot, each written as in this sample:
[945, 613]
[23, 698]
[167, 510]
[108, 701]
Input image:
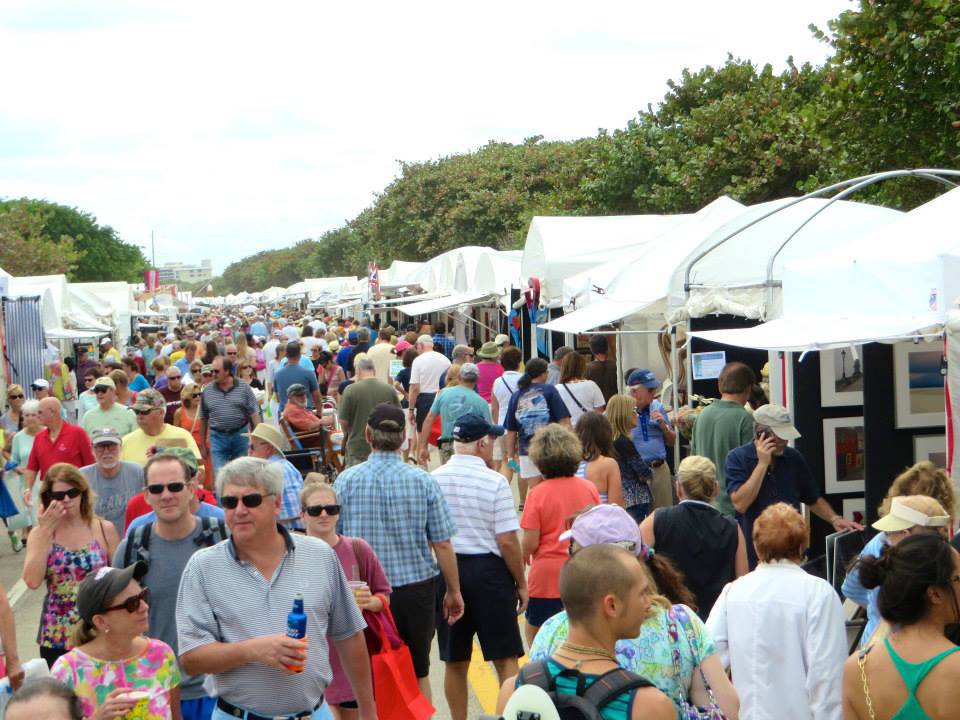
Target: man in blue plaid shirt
[400, 510]
[441, 341]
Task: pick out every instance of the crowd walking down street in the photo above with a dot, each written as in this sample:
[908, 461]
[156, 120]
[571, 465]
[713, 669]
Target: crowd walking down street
[331, 519]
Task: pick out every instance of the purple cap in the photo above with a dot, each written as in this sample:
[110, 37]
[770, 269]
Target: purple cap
[605, 524]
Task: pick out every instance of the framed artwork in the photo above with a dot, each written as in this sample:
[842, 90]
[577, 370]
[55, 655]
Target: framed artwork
[918, 385]
[855, 509]
[844, 458]
[932, 448]
[841, 377]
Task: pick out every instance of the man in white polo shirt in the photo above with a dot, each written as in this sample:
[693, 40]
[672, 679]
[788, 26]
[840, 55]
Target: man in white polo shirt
[425, 373]
[489, 561]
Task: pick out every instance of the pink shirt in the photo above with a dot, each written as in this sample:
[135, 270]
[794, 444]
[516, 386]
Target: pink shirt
[489, 372]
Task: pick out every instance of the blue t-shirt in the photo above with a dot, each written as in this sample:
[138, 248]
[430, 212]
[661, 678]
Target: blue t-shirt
[258, 329]
[205, 510]
[647, 435]
[139, 383]
[454, 402]
[533, 408]
[292, 374]
[304, 362]
[788, 480]
[854, 590]
[183, 365]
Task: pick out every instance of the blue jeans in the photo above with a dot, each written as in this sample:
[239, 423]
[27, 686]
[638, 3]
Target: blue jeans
[199, 709]
[224, 448]
[321, 713]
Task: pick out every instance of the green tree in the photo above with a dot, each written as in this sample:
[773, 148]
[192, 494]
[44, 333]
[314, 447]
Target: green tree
[27, 248]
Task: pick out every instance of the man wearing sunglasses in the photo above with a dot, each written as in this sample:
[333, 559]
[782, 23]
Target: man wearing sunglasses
[227, 409]
[113, 481]
[268, 443]
[153, 431]
[234, 599]
[167, 544]
[108, 413]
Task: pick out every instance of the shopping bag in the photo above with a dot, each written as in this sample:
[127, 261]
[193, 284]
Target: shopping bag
[434, 437]
[395, 687]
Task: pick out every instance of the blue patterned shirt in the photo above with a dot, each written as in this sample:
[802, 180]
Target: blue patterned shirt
[443, 344]
[292, 485]
[399, 510]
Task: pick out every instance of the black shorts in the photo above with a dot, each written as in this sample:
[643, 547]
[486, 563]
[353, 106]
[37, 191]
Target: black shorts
[539, 610]
[490, 611]
[424, 403]
[414, 612]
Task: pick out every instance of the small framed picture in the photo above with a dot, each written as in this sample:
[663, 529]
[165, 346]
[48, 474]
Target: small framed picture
[918, 385]
[844, 457]
[932, 448]
[841, 377]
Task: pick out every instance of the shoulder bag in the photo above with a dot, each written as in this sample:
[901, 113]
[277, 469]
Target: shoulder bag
[689, 711]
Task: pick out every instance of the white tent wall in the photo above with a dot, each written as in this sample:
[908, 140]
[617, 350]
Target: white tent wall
[120, 297]
[498, 270]
[953, 390]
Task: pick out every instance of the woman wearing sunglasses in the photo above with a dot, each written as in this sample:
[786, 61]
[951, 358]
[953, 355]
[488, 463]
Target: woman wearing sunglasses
[11, 422]
[68, 542]
[115, 670]
[360, 565]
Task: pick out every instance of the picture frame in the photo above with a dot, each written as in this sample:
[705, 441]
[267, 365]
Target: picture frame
[841, 377]
[918, 385]
[932, 448]
[844, 455]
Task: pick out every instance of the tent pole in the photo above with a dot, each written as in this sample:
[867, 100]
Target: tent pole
[675, 372]
[620, 381]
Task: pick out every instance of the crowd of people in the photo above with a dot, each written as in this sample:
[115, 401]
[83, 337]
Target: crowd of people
[163, 513]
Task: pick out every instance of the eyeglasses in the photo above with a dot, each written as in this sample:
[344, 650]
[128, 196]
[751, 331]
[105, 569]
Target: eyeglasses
[317, 510]
[132, 603]
[105, 446]
[15, 397]
[231, 353]
[99, 389]
[230, 502]
[59, 495]
[158, 488]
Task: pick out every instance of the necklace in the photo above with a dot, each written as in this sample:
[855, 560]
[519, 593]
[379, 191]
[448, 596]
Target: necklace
[598, 654]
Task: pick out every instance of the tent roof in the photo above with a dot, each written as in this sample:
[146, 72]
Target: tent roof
[447, 302]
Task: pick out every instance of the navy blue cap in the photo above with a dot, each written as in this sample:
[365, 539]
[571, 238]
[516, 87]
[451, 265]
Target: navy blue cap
[646, 378]
[471, 427]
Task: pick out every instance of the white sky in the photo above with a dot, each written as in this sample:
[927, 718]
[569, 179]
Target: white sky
[233, 127]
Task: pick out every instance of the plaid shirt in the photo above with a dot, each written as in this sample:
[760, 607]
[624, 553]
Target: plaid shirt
[290, 501]
[399, 510]
[444, 344]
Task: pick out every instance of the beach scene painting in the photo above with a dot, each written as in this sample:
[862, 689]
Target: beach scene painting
[918, 385]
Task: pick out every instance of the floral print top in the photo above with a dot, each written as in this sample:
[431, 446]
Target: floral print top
[154, 671]
[651, 654]
[66, 569]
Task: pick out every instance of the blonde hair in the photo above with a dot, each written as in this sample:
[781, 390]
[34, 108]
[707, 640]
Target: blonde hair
[315, 482]
[621, 412]
[697, 476]
[923, 478]
[119, 378]
[453, 375]
[929, 507]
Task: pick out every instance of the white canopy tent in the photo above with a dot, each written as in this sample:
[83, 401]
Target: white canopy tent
[446, 303]
[498, 271]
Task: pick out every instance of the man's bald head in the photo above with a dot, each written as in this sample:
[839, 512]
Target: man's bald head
[49, 411]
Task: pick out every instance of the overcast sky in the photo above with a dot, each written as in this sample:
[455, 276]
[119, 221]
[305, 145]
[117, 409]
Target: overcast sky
[232, 127]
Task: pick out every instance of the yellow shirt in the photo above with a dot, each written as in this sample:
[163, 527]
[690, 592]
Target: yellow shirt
[136, 444]
[112, 353]
[174, 356]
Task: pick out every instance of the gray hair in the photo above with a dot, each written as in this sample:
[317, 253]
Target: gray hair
[48, 687]
[363, 334]
[251, 472]
[460, 351]
[365, 364]
[30, 407]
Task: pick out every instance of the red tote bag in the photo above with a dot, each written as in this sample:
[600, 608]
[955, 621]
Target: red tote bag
[395, 685]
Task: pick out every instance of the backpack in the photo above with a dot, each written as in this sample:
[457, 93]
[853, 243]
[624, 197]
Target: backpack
[212, 531]
[588, 701]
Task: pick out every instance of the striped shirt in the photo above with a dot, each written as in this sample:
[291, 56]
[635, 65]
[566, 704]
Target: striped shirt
[290, 499]
[225, 599]
[399, 510]
[480, 501]
[228, 411]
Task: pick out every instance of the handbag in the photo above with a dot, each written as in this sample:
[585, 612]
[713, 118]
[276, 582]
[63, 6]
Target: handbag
[395, 687]
[689, 711]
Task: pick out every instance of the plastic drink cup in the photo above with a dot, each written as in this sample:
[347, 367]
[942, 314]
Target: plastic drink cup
[355, 587]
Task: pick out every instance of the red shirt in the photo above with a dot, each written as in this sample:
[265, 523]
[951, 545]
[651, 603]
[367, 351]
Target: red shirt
[72, 446]
[138, 505]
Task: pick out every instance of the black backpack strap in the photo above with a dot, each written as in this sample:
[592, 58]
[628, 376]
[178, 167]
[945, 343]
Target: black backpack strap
[138, 546]
[212, 531]
[606, 688]
[536, 674]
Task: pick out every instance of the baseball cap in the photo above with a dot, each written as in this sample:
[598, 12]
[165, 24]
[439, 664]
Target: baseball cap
[105, 435]
[387, 417]
[777, 418]
[270, 434]
[471, 427]
[643, 377]
[904, 517]
[297, 389]
[39, 383]
[352, 337]
[501, 340]
[469, 371]
[149, 399]
[401, 346]
[185, 454]
[206, 369]
[105, 341]
[606, 524]
[105, 381]
[106, 582]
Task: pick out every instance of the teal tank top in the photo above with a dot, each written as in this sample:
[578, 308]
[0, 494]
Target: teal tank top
[912, 675]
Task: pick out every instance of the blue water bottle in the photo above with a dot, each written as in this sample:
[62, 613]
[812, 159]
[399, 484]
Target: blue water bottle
[297, 626]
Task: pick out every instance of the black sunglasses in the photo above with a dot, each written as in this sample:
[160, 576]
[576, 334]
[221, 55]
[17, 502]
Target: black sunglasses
[132, 603]
[141, 411]
[100, 389]
[15, 397]
[317, 510]
[158, 488]
[59, 495]
[230, 502]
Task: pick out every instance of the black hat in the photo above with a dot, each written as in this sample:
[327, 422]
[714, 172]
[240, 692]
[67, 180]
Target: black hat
[387, 417]
[103, 584]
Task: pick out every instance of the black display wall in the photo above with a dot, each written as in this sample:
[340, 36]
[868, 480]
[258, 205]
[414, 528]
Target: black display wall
[754, 358]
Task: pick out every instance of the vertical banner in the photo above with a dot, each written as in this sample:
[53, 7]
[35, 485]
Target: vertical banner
[151, 279]
[374, 277]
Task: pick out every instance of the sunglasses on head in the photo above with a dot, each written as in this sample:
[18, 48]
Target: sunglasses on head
[158, 488]
[230, 502]
[59, 495]
[15, 397]
[132, 603]
[317, 510]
